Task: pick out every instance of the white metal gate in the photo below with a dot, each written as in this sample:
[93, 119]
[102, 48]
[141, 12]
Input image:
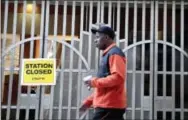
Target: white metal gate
[155, 44]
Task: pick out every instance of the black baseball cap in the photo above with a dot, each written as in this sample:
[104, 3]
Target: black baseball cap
[106, 30]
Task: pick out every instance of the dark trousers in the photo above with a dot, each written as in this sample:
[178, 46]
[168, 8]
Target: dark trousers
[108, 114]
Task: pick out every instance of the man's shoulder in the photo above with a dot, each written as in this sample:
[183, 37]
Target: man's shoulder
[116, 50]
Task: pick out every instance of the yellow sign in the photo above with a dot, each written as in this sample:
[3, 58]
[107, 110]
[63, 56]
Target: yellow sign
[38, 72]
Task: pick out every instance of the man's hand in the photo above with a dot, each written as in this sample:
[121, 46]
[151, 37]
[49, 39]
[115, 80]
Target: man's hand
[83, 108]
[88, 83]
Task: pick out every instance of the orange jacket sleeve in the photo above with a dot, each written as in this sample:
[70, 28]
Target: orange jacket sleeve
[88, 101]
[117, 65]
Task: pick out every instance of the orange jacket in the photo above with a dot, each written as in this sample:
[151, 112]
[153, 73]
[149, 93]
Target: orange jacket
[110, 92]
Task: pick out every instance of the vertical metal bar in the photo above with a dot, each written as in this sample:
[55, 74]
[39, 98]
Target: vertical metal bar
[164, 52]
[182, 60]
[126, 24]
[134, 60]
[62, 60]
[118, 22]
[22, 50]
[98, 11]
[152, 60]
[155, 48]
[54, 53]
[38, 91]
[3, 49]
[44, 54]
[135, 22]
[173, 57]
[5, 25]
[71, 61]
[87, 12]
[43, 15]
[90, 40]
[102, 11]
[33, 21]
[46, 28]
[96, 49]
[143, 56]
[126, 34]
[109, 12]
[113, 9]
[12, 61]
[45, 111]
[31, 52]
[79, 60]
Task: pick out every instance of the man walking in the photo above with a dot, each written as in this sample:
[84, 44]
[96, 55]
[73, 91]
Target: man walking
[109, 98]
